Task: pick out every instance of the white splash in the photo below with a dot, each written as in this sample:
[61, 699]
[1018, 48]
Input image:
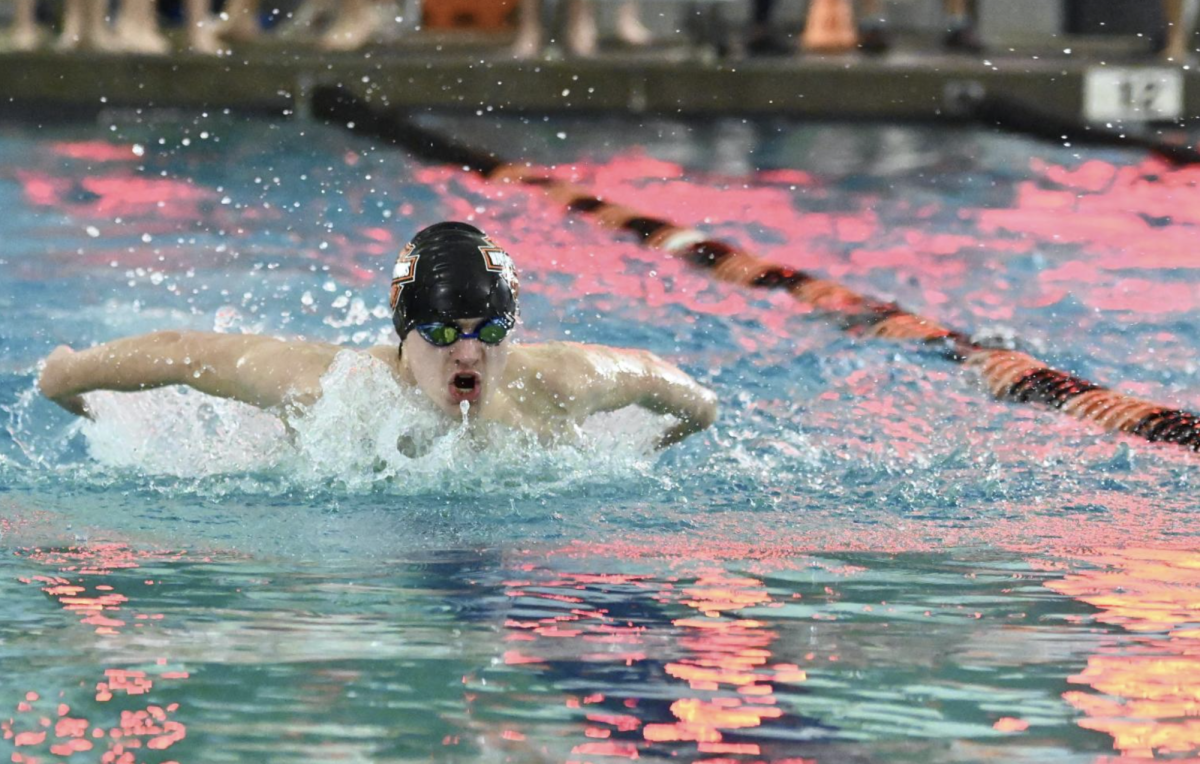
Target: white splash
[364, 433]
[178, 432]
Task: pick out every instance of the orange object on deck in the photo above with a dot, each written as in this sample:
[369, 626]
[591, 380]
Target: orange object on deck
[829, 27]
[469, 14]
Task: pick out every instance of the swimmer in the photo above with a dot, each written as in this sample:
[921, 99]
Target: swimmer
[453, 297]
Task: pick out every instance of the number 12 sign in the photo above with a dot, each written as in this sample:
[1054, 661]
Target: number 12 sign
[1132, 95]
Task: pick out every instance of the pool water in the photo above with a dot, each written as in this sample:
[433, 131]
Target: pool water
[865, 559]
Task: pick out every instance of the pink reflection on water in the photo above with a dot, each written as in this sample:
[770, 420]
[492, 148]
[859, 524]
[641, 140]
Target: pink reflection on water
[729, 654]
[722, 660]
[95, 151]
[1142, 687]
[121, 193]
[1146, 690]
[75, 584]
[1139, 218]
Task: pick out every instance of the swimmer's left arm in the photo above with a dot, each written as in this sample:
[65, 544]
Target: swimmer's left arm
[617, 378]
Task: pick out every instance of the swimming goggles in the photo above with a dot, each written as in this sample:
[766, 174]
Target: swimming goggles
[490, 332]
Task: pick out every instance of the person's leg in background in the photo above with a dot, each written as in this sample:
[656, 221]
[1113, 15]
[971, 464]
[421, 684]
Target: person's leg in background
[85, 26]
[960, 26]
[763, 39]
[201, 27]
[239, 21]
[1181, 20]
[136, 28]
[24, 34]
[760, 19]
[581, 33]
[529, 29]
[872, 28]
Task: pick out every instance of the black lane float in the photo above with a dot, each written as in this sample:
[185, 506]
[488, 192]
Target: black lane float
[1008, 374]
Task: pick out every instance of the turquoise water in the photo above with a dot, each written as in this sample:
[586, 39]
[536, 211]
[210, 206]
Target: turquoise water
[866, 559]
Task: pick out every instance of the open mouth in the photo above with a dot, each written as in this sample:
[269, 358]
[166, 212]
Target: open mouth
[465, 386]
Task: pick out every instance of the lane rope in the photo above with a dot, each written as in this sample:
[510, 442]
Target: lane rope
[1008, 374]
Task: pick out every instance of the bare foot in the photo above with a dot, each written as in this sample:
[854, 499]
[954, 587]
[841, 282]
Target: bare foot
[132, 37]
[85, 28]
[203, 39]
[630, 29]
[22, 35]
[528, 44]
[307, 19]
[239, 21]
[357, 26]
[93, 39]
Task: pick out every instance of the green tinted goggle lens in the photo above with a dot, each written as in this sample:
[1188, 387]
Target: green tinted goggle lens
[440, 334]
[491, 332]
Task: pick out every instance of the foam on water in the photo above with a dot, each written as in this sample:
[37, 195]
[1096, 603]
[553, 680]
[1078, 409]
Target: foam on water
[365, 433]
[181, 433]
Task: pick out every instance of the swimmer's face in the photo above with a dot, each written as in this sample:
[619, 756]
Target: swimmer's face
[467, 370]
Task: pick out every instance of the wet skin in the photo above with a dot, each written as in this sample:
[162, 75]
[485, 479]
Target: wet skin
[547, 389]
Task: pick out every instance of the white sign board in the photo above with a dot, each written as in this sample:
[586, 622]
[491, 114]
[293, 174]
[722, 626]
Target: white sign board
[1112, 94]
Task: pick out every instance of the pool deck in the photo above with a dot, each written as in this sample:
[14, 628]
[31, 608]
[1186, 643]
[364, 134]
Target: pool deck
[904, 85]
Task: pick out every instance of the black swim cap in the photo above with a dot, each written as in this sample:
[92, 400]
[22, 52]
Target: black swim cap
[451, 271]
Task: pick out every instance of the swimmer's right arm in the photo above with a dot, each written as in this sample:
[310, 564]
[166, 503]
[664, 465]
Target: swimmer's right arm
[261, 371]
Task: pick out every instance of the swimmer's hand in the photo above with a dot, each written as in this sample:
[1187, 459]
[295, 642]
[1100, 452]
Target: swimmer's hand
[55, 384]
[703, 415]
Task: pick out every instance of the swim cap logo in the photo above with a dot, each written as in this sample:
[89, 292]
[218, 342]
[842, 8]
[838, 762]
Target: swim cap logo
[403, 273]
[497, 260]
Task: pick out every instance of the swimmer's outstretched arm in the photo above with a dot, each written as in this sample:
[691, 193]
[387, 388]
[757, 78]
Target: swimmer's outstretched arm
[614, 378]
[261, 371]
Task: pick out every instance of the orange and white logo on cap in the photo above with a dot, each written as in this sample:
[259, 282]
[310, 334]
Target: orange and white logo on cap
[403, 273]
[497, 260]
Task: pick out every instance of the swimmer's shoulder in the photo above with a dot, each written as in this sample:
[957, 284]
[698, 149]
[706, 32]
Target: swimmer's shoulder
[550, 374]
[565, 366]
[552, 356]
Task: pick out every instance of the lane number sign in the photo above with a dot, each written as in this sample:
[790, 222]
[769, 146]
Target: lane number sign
[1132, 94]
